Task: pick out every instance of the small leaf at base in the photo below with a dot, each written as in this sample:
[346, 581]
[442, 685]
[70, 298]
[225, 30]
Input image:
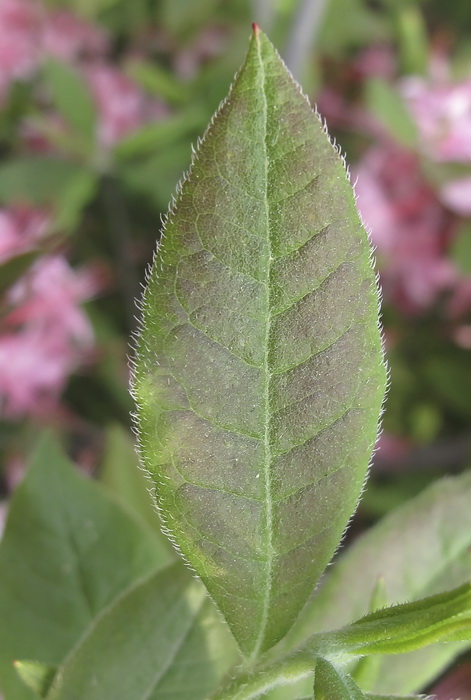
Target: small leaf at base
[37, 676]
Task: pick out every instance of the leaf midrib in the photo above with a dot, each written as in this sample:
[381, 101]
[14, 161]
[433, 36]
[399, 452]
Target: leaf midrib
[267, 376]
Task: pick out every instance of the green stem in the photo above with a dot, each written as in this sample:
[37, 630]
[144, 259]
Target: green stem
[253, 685]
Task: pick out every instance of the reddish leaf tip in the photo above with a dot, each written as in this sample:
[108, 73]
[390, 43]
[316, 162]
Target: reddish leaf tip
[256, 28]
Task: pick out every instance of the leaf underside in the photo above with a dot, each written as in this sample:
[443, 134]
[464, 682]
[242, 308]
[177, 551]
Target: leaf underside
[259, 375]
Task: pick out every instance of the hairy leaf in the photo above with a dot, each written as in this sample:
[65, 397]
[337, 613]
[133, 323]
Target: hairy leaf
[68, 551]
[162, 639]
[259, 377]
[330, 683]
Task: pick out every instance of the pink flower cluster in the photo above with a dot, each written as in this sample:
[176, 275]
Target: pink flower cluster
[29, 32]
[44, 334]
[442, 111]
[408, 225]
[412, 224]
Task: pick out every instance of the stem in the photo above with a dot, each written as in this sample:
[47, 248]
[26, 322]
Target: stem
[248, 686]
[304, 30]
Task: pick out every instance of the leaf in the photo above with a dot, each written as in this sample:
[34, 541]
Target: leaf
[330, 683]
[38, 179]
[443, 617]
[400, 628]
[68, 551]
[366, 670]
[162, 639]
[71, 97]
[120, 473]
[420, 549]
[156, 176]
[156, 80]
[73, 199]
[37, 676]
[259, 376]
[460, 250]
[13, 268]
[388, 107]
[157, 135]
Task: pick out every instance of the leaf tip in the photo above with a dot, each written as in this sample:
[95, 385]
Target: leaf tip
[255, 29]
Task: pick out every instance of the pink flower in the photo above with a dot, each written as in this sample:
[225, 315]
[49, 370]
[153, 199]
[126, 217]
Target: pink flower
[20, 230]
[443, 114]
[122, 106]
[456, 194]
[51, 292]
[375, 61]
[44, 333]
[28, 32]
[68, 37]
[45, 336]
[19, 41]
[33, 370]
[408, 225]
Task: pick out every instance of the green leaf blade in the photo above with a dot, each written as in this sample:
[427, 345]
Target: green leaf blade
[67, 552]
[329, 683]
[162, 638]
[259, 376]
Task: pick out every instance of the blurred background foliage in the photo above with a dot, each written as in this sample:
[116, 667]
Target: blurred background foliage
[100, 101]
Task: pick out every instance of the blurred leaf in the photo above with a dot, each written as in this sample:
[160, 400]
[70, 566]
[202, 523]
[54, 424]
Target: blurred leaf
[389, 109]
[74, 198]
[159, 82]
[163, 639]
[461, 248]
[446, 373]
[419, 549]
[36, 676]
[40, 180]
[350, 23]
[161, 134]
[121, 473]
[71, 97]
[156, 177]
[68, 551]
[412, 35]
[11, 270]
[181, 17]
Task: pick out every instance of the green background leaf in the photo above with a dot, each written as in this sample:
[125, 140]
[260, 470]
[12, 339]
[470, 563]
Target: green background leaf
[259, 377]
[163, 639]
[42, 180]
[120, 473]
[68, 551]
[71, 97]
[13, 268]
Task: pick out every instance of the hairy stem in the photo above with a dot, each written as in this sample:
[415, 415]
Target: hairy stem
[253, 685]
